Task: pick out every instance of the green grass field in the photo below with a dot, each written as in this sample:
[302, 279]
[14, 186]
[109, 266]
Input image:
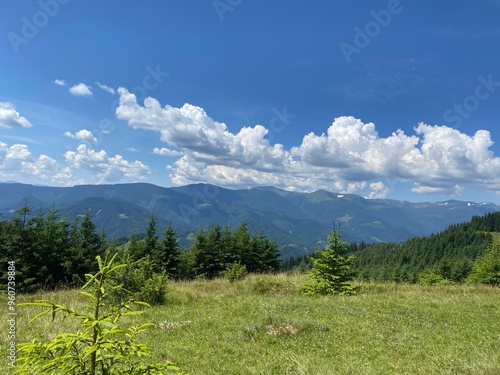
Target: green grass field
[261, 325]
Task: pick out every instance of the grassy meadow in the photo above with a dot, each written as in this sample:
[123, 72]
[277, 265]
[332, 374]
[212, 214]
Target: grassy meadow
[262, 325]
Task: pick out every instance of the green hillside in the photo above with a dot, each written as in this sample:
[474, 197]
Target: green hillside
[450, 253]
[262, 325]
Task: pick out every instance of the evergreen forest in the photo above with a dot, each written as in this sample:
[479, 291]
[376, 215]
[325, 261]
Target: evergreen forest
[51, 251]
[445, 257]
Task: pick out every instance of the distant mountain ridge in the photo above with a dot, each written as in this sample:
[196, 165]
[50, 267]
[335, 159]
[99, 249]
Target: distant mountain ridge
[297, 221]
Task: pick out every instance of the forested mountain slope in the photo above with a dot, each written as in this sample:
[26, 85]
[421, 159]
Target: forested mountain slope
[450, 253]
[298, 222]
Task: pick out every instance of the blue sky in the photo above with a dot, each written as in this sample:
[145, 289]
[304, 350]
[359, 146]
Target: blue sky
[386, 99]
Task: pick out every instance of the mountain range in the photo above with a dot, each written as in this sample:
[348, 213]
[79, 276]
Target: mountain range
[298, 222]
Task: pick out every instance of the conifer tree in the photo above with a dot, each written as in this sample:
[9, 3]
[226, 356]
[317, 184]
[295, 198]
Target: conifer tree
[198, 252]
[229, 246]
[213, 253]
[86, 246]
[331, 272]
[50, 251]
[135, 248]
[270, 256]
[166, 256]
[151, 240]
[243, 246]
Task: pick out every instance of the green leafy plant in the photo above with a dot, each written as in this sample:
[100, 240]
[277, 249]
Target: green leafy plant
[138, 281]
[331, 272]
[235, 272]
[433, 278]
[103, 345]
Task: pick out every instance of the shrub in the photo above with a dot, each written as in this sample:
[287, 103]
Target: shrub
[102, 346]
[235, 272]
[139, 281]
[433, 278]
[154, 290]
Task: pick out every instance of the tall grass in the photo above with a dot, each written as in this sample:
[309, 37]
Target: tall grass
[261, 325]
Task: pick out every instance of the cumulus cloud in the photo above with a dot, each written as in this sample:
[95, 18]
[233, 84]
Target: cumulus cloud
[108, 169]
[350, 156]
[378, 190]
[59, 82]
[166, 152]
[81, 89]
[83, 135]
[82, 165]
[18, 152]
[18, 163]
[10, 118]
[106, 88]
[189, 128]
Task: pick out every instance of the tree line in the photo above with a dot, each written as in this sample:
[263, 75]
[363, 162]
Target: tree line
[448, 256]
[50, 250]
[213, 250]
[464, 252]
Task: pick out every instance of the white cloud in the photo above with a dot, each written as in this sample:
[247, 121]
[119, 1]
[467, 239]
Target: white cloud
[106, 88]
[349, 157]
[166, 152]
[378, 190]
[83, 135]
[82, 165]
[60, 82]
[189, 128]
[64, 177]
[108, 169]
[18, 163]
[18, 152]
[81, 89]
[454, 190]
[356, 187]
[10, 118]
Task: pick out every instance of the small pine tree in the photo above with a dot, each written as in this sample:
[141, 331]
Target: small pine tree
[103, 344]
[331, 272]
